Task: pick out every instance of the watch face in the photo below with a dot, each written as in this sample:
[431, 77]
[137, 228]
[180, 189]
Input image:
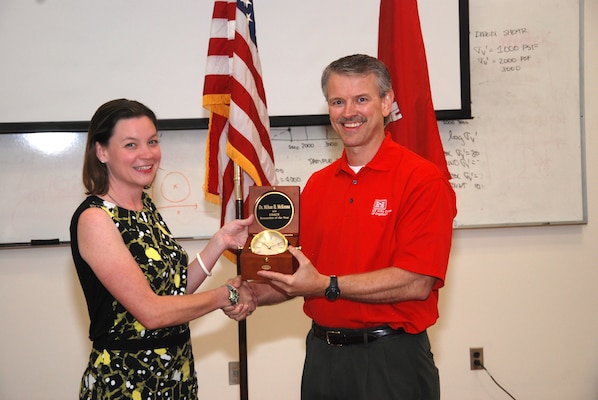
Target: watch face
[332, 292]
[269, 242]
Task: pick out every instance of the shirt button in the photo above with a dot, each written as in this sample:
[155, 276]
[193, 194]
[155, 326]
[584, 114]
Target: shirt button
[354, 181]
[350, 201]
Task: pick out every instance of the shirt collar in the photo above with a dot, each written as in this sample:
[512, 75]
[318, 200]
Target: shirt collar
[382, 161]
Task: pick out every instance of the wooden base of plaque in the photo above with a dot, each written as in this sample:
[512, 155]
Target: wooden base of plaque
[252, 263]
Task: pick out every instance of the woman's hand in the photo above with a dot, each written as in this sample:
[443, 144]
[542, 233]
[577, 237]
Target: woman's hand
[233, 234]
[247, 300]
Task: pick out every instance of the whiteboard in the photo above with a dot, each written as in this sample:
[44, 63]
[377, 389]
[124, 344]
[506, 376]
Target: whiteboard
[519, 161]
[62, 59]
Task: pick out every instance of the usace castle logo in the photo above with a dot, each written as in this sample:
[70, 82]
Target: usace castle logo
[379, 208]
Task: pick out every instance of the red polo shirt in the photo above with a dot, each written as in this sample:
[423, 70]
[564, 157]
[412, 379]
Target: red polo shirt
[398, 210]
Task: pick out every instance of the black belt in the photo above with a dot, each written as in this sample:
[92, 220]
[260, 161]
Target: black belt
[142, 344]
[346, 337]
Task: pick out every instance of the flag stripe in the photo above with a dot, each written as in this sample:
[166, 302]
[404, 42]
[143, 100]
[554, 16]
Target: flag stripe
[218, 48]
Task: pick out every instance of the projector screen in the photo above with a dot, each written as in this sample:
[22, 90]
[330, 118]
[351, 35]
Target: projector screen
[62, 59]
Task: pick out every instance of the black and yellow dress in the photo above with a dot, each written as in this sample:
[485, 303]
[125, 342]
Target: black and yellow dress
[127, 360]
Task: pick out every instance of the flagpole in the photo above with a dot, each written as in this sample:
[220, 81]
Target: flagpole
[239, 211]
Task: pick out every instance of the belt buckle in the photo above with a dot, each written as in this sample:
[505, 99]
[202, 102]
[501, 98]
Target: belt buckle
[328, 333]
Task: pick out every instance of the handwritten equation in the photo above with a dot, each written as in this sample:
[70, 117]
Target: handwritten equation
[463, 156]
[508, 50]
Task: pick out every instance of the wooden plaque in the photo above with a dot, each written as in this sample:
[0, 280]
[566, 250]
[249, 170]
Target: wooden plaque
[275, 208]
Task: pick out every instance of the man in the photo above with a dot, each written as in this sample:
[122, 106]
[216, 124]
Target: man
[376, 228]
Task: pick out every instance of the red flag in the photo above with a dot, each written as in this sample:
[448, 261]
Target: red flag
[401, 48]
[239, 129]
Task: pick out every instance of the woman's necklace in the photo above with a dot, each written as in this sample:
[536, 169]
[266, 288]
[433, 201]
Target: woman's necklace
[114, 201]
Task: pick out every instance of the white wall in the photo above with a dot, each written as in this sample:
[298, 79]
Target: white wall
[527, 295]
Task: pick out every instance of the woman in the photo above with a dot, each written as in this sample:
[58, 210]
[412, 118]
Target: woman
[138, 286]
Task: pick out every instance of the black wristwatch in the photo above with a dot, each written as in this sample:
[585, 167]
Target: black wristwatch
[332, 292]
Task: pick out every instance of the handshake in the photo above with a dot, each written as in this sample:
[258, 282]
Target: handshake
[275, 287]
[245, 299]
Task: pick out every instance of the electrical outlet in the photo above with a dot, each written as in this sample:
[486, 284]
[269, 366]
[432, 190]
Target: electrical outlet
[234, 377]
[476, 358]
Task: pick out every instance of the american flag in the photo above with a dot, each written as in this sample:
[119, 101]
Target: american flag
[239, 128]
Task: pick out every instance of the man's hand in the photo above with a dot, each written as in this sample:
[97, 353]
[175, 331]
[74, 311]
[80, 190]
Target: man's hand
[306, 281]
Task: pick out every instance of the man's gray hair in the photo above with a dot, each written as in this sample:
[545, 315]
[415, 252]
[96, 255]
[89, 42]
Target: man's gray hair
[358, 64]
